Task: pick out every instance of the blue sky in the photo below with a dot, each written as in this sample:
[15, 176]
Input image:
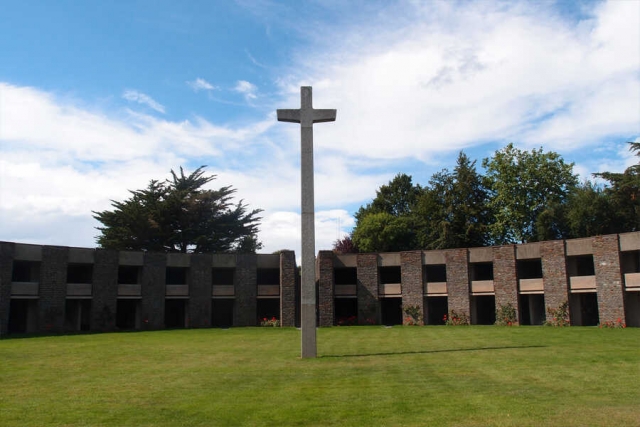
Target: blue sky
[100, 97]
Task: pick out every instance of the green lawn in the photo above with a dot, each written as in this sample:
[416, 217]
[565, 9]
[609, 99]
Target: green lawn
[364, 376]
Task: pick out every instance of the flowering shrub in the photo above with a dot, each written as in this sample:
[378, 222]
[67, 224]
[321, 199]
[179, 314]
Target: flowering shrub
[369, 321]
[413, 316]
[506, 315]
[347, 321]
[273, 322]
[558, 316]
[618, 324]
[455, 319]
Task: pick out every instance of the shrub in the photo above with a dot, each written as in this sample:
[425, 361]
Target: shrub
[618, 324]
[558, 316]
[506, 315]
[455, 319]
[413, 316]
[273, 322]
[347, 321]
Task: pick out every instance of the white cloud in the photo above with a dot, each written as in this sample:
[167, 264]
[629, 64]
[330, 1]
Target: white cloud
[454, 77]
[141, 98]
[76, 161]
[247, 89]
[200, 84]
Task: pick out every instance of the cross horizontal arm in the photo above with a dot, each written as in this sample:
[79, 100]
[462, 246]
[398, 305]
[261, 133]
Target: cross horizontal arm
[321, 116]
[291, 116]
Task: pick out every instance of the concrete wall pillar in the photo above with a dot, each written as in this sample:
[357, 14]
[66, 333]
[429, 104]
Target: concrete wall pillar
[200, 274]
[609, 283]
[325, 288]
[104, 290]
[53, 288]
[554, 273]
[367, 291]
[288, 275]
[412, 281]
[154, 273]
[457, 264]
[6, 270]
[245, 313]
[505, 280]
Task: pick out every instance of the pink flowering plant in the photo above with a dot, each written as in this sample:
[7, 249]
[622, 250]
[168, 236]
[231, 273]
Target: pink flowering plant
[506, 315]
[413, 317]
[456, 319]
[558, 317]
[273, 322]
[347, 321]
[617, 324]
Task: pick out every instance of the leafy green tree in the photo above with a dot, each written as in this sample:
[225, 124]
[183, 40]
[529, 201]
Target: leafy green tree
[383, 232]
[452, 210]
[387, 223]
[178, 215]
[623, 191]
[522, 185]
[396, 198]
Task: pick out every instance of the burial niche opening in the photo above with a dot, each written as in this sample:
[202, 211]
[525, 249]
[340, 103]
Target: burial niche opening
[437, 308]
[80, 273]
[222, 312]
[529, 268]
[223, 276]
[128, 314]
[390, 275]
[268, 308]
[583, 309]
[23, 316]
[481, 271]
[346, 311]
[483, 309]
[77, 315]
[391, 311]
[580, 265]
[532, 309]
[129, 275]
[175, 313]
[435, 273]
[177, 275]
[25, 271]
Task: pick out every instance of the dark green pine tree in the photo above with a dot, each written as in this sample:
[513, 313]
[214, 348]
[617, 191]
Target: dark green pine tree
[178, 215]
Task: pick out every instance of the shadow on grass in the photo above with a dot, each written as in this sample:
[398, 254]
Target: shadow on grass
[397, 353]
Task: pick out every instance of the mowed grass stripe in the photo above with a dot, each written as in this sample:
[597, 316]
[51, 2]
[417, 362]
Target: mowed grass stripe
[412, 376]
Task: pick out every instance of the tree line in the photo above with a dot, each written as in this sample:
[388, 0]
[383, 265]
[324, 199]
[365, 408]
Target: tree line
[523, 196]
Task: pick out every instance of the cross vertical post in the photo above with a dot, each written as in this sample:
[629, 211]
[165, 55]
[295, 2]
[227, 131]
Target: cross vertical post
[307, 116]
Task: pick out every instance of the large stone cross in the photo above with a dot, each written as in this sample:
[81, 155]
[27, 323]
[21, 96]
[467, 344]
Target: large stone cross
[307, 116]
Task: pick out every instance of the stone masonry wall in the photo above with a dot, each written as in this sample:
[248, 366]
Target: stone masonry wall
[104, 290]
[245, 312]
[367, 291]
[6, 270]
[457, 264]
[288, 275]
[200, 276]
[325, 288]
[153, 290]
[505, 280]
[412, 283]
[53, 288]
[606, 260]
[554, 272]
